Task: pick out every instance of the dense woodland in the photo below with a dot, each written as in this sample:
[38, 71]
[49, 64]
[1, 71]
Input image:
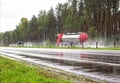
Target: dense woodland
[100, 19]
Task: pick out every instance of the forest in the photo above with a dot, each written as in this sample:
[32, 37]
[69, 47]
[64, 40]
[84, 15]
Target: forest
[100, 19]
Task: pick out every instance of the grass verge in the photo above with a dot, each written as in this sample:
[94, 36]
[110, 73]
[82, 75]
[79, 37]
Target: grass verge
[80, 48]
[17, 72]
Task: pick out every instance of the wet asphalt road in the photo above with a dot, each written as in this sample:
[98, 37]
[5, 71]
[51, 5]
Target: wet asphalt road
[98, 64]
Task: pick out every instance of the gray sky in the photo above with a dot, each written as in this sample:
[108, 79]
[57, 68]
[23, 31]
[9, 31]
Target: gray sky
[11, 11]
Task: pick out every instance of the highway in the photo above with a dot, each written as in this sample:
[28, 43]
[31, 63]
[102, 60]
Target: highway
[97, 64]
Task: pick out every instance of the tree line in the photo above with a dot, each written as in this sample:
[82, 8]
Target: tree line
[99, 18]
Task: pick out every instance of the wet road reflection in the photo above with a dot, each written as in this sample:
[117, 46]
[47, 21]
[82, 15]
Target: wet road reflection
[101, 65]
[101, 70]
[88, 67]
[102, 58]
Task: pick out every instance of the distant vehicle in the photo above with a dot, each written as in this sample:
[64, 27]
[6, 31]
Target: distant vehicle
[71, 38]
[20, 43]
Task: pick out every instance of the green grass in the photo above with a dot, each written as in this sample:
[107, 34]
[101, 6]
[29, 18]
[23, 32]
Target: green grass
[88, 48]
[17, 72]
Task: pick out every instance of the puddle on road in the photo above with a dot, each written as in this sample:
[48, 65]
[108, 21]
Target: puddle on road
[102, 58]
[87, 67]
[94, 69]
[103, 72]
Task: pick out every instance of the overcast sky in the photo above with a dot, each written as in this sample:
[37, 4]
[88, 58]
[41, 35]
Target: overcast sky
[11, 11]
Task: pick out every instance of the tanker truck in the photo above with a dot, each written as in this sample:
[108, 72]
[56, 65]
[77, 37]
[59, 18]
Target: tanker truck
[71, 38]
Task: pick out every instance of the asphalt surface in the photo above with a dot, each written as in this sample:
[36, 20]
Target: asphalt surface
[98, 64]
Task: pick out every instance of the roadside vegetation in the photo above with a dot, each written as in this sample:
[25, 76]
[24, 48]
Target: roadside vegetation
[16, 72]
[19, 72]
[100, 19]
[73, 47]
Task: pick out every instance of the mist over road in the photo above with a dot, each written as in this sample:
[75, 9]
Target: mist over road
[98, 64]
